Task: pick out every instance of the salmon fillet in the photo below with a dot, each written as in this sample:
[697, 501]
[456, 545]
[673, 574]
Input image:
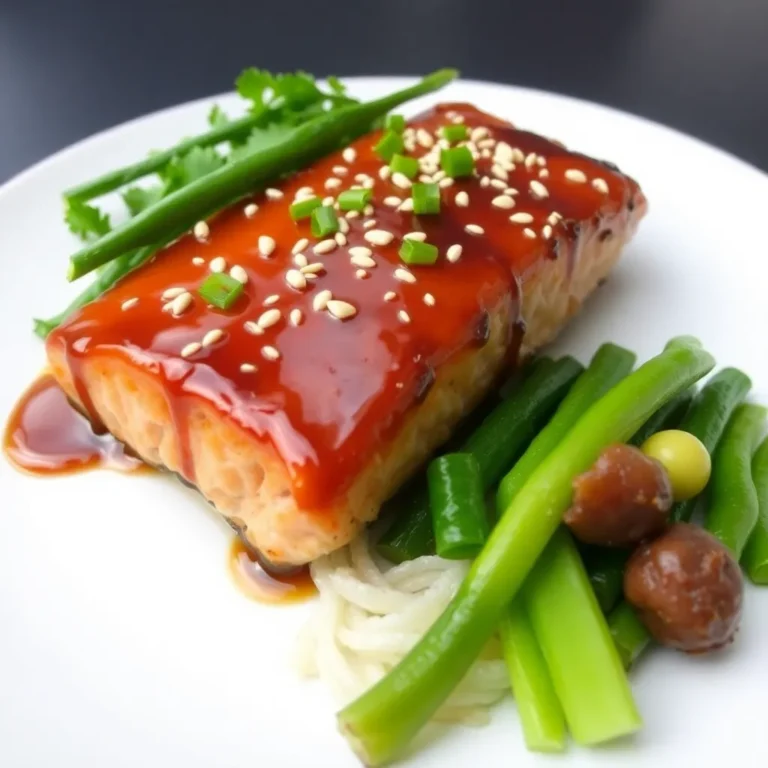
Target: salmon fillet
[340, 369]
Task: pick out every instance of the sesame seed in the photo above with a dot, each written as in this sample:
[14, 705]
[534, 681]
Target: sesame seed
[390, 296]
[167, 307]
[328, 201]
[325, 246]
[484, 181]
[538, 190]
[429, 299]
[269, 318]
[485, 143]
[361, 274]
[461, 199]
[453, 254]
[198, 261]
[342, 310]
[300, 260]
[554, 218]
[297, 317]
[129, 303]
[385, 172]
[362, 177]
[181, 303]
[349, 155]
[404, 276]
[300, 245]
[296, 279]
[445, 183]
[219, 264]
[543, 173]
[511, 191]
[503, 151]
[424, 138]
[369, 224]
[320, 302]
[529, 233]
[392, 201]
[248, 368]
[409, 144]
[343, 226]
[503, 201]
[362, 261]
[267, 246]
[546, 231]
[521, 217]
[474, 229]
[541, 160]
[403, 316]
[485, 154]
[212, 337]
[438, 175]
[239, 274]
[379, 236]
[314, 268]
[250, 210]
[499, 172]
[530, 160]
[360, 250]
[601, 185]
[574, 174]
[401, 180]
[273, 194]
[498, 184]
[420, 236]
[340, 238]
[368, 210]
[305, 191]
[407, 205]
[457, 119]
[340, 170]
[253, 328]
[271, 299]
[191, 349]
[478, 133]
[201, 231]
[517, 155]
[368, 183]
[332, 183]
[352, 214]
[270, 353]
[172, 293]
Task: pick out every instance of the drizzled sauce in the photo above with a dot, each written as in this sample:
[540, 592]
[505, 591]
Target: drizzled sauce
[256, 581]
[47, 436]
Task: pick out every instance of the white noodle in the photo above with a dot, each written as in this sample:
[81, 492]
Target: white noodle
[371, 613]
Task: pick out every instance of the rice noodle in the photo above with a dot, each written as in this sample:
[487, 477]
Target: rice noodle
[371, 613]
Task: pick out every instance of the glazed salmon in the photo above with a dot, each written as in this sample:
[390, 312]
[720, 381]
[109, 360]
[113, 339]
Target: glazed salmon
[340, 368]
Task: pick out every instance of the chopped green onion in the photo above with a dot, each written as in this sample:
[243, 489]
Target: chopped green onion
[426, 198]
[408, 166]
[454, 132]
[388, 145]
[220, 290]
[302, 209]
[416, 252]
[354, 199]
[324, 221]
[395, 123]
[457, 162]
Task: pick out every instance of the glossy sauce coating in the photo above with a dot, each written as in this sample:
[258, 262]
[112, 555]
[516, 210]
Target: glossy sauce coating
[341, 388]
[47, 435]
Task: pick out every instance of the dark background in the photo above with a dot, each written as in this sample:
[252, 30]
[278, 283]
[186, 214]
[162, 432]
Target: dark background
[69, 68]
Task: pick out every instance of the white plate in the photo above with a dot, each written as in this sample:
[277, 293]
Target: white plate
[122, 639]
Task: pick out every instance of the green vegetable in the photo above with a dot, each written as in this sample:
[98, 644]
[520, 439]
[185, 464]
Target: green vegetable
[685, 458]
[426, 198]
[605, 567]
[456, 500]
[755, 557]
[416, 252]
[496, 443]
[586, 668]
[389, 145]
[324, 221]
[302, 209]
[535, 699]
[86, 221]
[181, 209]
[629, 633]
[137, 199]
[707, 417]
[733, 508]
[457, 162]
[454, 133]
[354, 199]
[667, 417]
[395, 123]
[383, 720]
[408, 166]
[220, 290]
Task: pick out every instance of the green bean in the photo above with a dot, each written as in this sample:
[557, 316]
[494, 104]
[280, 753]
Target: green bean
[585, 666]
[383, 720]
[733, 508]
[496, 443]
[707, 417]
[755, 557]
[628, 632]
[201, 198]
[459, 518]
[668, 417]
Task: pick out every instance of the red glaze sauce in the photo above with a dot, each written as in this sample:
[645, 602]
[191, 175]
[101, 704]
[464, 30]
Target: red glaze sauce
[47, 436]
[342, 388]
[263, 583]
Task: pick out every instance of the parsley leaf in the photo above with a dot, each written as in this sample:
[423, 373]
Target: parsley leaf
[261, 138]
[217, 117]
[193, 165]
[138, 198]
[86, 221]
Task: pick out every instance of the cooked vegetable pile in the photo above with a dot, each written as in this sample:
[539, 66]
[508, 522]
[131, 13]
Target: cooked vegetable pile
[604, 470]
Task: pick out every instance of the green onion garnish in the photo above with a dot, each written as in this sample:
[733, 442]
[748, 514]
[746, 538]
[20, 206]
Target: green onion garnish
[324, 221]
[354, 199]
[408, 166]
[416, 252]
[395, 123]
[426, 198]
[454, 132]
[303, 208]
[388, 145]
[457, 162]
[221, 290]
